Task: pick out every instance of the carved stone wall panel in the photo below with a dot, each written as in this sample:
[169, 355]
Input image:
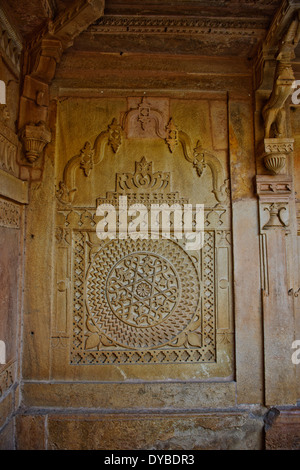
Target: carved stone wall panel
[123, 304]
[10, 248]
[143, 320]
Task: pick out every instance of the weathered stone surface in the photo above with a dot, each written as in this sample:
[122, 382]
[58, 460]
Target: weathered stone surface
[143, 344]
[13, 188]
[249, 358]
[31, 432]
[241, 148]
[6, 409]
[7, 436]
[9, 249]
[284, 432]
[37, 298]
[232, 431]
[132, 396]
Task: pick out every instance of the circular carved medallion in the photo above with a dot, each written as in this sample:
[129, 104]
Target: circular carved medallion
[142, 294]
[143, 289]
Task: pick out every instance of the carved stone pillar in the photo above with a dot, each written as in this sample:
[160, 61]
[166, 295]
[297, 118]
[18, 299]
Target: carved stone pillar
[275, 198]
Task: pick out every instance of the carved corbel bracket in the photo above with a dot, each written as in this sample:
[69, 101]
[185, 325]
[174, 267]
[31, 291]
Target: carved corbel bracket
[34, 138]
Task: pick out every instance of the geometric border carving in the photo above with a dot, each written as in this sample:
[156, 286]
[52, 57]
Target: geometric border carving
[9, 214]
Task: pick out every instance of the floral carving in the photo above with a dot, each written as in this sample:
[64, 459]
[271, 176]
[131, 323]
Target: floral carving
[87, 158]
[144, 116]
[115, 135]
[143, 289]
[143, 179]
[172, 138]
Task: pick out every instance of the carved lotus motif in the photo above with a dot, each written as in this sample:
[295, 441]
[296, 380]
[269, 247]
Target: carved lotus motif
[143, 290]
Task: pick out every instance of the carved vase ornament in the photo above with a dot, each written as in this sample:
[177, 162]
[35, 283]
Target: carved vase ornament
[35, 137]
[275, 153]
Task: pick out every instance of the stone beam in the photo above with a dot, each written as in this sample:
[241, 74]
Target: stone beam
[70, 23]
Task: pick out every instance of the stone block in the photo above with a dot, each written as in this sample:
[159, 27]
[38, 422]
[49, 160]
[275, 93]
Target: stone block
[6, 409]
[151, 396]
[284, 432]
[7, 440]
[30, 431]
[207, 431]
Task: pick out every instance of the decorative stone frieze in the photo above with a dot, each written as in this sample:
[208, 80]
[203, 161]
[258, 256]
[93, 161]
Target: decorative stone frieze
[272, 189]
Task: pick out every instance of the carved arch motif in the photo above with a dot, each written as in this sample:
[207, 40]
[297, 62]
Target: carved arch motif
[88, 157]
[92, 155]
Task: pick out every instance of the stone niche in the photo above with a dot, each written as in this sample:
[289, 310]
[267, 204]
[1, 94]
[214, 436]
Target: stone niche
[145, 309]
